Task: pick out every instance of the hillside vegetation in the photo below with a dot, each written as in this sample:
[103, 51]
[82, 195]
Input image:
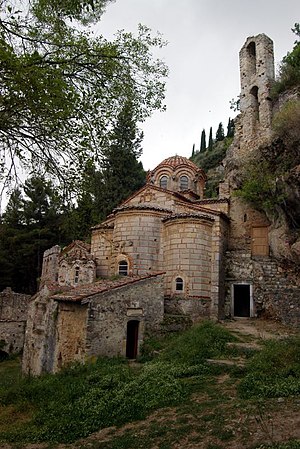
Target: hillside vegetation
[194, 399]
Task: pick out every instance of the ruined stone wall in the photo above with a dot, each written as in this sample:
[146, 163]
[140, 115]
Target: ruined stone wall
[110, 312]
[50, 265]
[276, 289]
[13, 315]
[40, 335]
[70, 334]
[257, 75]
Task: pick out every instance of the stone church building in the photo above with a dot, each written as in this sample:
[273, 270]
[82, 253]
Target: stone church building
[166, 251]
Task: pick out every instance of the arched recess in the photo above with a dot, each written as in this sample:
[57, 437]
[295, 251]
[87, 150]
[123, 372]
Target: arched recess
[251, 50]
[254, 102]
[132, 338]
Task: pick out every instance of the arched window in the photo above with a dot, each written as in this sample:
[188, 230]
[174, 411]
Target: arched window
[76, 277]
[179, 284]
[254, 101]
[184, 182]
[163, 182]
[123, 268]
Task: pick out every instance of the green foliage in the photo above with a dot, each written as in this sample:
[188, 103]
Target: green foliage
[30, 225]
[211, 159]
[289, 75]
[203, 141]
[220, 133]
[286, 122]
[210, 140]
[275, 371]
[85, 398]
[230, 128]
[197, 344]
[62, 89]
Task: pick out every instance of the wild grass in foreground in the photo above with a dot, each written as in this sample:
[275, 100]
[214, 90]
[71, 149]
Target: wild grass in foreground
[85, 398]
[110, 392]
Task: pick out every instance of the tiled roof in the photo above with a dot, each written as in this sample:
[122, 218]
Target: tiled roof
[187, 215]
[79, 293]
[175, 161]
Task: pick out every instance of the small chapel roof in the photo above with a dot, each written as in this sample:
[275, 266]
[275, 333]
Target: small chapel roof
[84, 292]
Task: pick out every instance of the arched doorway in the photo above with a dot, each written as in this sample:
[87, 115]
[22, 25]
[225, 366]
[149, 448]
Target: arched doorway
[132, 339]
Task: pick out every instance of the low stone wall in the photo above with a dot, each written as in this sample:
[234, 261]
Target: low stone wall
[13, 315]
[276, 288]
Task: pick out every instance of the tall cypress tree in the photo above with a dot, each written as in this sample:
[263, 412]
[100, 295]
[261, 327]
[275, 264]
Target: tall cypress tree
[230, 128]
[203, 141]
[193, 150]
[220, 132]
[210, 140]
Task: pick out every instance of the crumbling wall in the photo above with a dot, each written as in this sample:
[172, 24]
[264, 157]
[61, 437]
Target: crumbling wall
[13, 314]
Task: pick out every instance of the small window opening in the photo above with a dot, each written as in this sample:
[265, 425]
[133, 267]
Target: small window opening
[123, 268]
[245, 218]
[179, 284]
[163, 182]
[76, 278]
[184, 182]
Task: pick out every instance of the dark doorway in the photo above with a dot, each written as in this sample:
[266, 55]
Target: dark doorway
[241, 300]
[132, 339]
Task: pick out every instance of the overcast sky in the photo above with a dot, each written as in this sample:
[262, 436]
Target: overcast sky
[204, 38]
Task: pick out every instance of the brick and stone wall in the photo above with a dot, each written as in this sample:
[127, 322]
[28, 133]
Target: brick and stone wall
[13, 315]
[276, 288]
[110, 312]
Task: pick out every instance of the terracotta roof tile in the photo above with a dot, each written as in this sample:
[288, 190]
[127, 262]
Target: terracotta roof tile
[77, 294]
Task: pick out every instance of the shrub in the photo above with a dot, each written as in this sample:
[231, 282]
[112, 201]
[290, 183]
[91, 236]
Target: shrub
[286, 121]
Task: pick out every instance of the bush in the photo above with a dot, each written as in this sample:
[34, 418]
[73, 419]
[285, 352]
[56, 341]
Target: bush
[286, 122]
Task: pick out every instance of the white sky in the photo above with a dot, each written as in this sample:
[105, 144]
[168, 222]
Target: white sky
[204, 37]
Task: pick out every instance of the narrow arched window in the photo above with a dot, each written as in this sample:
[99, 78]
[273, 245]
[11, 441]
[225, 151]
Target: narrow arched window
[76, 277]
[123, 268]
[163, 182]
[179, 284]
[184, 182]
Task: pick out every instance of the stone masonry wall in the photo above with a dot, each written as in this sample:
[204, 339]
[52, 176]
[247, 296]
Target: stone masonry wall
[70, 334]
[13, 315]
[276, 289]
[137, 235]
[110, 312]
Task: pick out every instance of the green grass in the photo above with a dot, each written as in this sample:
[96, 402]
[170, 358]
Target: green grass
[273, 372]
[109, 392]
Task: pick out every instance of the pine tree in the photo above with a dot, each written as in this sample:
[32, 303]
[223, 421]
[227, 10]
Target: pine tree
[210, 140]
[203, 141]
[220, 133]
[122, 173]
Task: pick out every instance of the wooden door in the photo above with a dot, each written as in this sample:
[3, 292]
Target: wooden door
[260, 242]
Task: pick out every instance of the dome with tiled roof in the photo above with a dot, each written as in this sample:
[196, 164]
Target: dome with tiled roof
[179, 174]
[177, 161]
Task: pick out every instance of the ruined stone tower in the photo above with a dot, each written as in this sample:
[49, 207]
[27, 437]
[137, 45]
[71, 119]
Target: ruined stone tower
[257, 76]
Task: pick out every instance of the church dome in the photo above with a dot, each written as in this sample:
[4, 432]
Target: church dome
[175, 162]
[179, 174]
